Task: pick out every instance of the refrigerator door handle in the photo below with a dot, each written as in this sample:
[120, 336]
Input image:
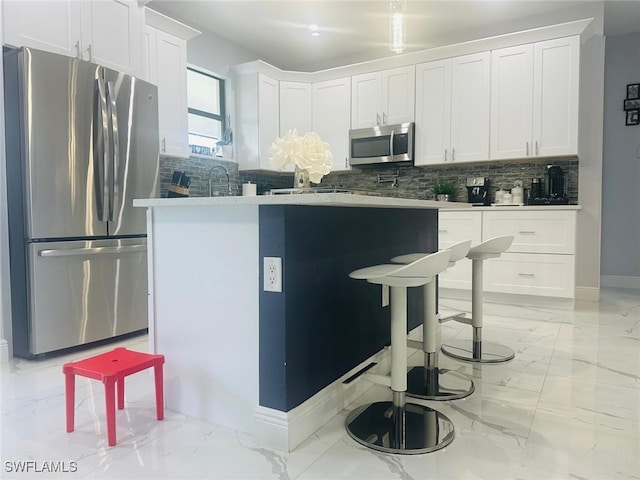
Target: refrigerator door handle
[101, 152]
[91, 251]
[115, 150]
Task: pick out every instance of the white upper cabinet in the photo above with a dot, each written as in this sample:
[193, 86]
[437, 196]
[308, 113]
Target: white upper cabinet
[295, 107]
[433, 112]
[470, 103]
[534, 99]
[258, 120]
[512, 102]
[331, 118]
[452, 110]
[383, 98]
[556, 70]
[169, 56]
[166, 67]
[108, 32]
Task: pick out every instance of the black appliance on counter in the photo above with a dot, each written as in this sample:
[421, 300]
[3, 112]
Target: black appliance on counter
[478, 189]
[554, 189]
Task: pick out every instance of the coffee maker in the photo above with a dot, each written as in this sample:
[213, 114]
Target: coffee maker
[555, 188]
[478, 191]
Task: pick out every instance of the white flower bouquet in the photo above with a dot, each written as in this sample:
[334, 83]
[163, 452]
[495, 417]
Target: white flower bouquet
[307, 153]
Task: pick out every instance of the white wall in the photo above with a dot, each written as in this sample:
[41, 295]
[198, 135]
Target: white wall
[5, 303]
[621, 174]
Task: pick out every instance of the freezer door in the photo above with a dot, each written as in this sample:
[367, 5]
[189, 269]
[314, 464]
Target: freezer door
[56, 115]
[132, 107]
[84, 291]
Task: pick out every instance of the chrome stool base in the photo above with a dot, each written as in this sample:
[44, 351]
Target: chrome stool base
[438, 384]
[408, 429]
[478, 352]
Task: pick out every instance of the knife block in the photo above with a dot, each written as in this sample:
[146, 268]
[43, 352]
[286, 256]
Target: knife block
[177, 191]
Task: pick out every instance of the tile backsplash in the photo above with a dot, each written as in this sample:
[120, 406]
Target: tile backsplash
[412, 182]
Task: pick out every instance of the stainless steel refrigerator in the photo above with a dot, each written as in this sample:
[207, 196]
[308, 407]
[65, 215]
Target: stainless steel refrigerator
[82, 143]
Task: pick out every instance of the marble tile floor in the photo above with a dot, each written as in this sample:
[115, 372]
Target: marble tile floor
[567, 407]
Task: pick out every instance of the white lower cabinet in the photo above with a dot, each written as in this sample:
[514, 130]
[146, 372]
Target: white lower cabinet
[454, 227]
[541, 260]
[549, 275]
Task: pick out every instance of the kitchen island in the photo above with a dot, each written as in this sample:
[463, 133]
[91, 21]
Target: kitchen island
[273, 363]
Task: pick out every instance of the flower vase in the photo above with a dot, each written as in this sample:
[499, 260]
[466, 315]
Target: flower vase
[301, 178]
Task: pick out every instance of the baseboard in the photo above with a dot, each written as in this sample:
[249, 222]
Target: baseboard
[589, 294]
[286, 430]
[620, 281]
[4, 351]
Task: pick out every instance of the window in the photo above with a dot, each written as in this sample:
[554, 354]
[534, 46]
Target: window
[206, 110]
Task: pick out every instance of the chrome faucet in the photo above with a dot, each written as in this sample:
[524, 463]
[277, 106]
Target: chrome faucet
[228, 179]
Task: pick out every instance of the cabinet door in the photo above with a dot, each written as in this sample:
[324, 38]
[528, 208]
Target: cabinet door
[470, 92]
[53, 26]
[398, 95]
[295, 107]
[331, 118]
[171, 78]
[512, 102]
[433, 112]
[454, 227]
[268, 116]
[555, 96]
[366, 100]
[151, 64]
[112, 34]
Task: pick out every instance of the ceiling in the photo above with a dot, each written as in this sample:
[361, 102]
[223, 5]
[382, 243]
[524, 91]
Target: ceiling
[351, 31]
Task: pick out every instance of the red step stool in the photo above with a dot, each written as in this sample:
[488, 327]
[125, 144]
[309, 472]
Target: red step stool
[111, 368]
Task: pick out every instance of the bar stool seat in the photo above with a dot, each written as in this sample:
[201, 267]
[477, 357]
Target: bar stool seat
[397, 426]
[430, 382]
[477, 350]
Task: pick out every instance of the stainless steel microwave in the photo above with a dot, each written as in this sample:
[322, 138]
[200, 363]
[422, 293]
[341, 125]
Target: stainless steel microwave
[381, 144]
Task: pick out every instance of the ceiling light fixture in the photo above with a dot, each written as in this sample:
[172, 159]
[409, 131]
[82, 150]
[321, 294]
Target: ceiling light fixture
[397, 26]
[314, 30]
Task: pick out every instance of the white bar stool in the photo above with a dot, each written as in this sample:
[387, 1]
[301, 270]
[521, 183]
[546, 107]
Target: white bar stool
[398, 426]
[476, 350]
[430, 382]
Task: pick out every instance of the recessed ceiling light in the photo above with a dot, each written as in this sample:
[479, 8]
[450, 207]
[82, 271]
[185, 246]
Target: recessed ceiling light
[313, 28]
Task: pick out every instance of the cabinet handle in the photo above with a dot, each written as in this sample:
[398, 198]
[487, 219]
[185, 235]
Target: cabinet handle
[384, 118]
[377, 119]
[526, 232]
[78, 52]
[526, 275]
[346, 162]
[89, 52]
[442, 231]
[164, 144]
[445, 154]
[537, 148]
[527, 149]
[453, 154]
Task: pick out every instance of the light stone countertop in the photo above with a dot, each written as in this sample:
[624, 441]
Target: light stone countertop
[335, 200]
[311, 199]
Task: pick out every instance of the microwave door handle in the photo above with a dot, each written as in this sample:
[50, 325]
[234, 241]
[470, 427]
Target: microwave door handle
[391, 144]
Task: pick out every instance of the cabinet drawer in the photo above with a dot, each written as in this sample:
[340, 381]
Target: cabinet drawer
[533, 231]
[531, 274]
[455, 227]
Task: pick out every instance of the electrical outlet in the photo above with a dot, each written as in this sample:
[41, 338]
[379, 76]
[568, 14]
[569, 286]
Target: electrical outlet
[272, 274]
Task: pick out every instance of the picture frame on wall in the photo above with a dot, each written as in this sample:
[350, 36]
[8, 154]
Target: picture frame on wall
[632, 104]
[633, 117]
[633, 91]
